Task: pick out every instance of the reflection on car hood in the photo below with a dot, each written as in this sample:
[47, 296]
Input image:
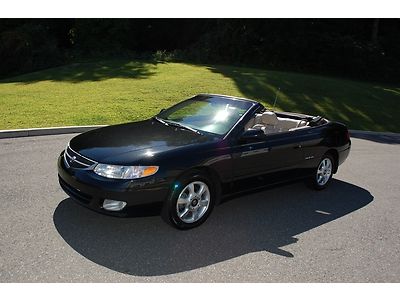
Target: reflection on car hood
[144, 136]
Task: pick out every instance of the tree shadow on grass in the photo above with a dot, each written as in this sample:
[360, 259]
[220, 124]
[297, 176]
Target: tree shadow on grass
[262, 221]
[90, 71]
[359, 105]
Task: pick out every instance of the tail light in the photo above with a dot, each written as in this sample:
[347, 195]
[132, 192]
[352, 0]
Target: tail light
[347, 135]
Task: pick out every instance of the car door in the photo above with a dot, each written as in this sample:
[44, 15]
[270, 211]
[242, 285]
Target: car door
[272, 153]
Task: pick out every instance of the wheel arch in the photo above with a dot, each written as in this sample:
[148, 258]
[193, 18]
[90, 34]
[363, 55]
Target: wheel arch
[211, 174]
[335, 154]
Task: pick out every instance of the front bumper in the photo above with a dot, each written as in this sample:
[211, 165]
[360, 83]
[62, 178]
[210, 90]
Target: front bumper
[90, 189]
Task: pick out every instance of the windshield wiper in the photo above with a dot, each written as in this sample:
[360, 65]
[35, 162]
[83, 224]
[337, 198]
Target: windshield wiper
[160, 120]
[176, 124]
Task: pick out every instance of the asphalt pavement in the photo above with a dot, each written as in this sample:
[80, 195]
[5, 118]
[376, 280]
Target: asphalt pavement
[349, 232]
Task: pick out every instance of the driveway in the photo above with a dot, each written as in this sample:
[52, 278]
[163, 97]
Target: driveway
[346, 233]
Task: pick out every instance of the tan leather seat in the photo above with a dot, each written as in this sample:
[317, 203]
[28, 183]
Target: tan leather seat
[270, 122]
[269, 118]
[253, 121]
[285, 123]
[302, 124]
[267, 121]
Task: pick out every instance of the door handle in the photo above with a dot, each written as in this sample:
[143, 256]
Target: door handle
[297, 146]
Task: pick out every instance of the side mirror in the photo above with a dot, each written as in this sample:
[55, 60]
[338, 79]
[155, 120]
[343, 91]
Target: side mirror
[162, 109]
[252, 134]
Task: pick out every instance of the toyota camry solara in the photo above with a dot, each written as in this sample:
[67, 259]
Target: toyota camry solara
[193, 154]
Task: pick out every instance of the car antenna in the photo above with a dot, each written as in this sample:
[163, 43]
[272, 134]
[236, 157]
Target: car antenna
[276, 97]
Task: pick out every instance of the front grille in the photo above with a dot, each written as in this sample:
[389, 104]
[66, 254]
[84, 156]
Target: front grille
[75, 160]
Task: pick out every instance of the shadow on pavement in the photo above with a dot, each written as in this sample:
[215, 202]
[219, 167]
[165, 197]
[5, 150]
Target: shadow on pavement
[263, 221]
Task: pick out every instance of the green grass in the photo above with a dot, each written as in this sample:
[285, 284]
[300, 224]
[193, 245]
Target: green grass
[116, 91]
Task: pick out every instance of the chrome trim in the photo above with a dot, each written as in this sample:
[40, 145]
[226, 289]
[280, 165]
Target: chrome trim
[238, 121]
[77, 161]
[68, 147]
[65, 160]
[86, 166]
[227, 96]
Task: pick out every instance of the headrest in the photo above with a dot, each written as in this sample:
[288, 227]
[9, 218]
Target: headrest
[269, 117]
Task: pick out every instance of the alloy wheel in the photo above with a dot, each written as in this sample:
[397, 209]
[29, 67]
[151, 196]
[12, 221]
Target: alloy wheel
[193, 202]
[324, 171]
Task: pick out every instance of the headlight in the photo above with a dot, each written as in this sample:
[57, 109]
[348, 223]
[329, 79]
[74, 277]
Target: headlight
[124, 172]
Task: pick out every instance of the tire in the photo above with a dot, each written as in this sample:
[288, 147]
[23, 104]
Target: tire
[190, 202]
[323, 173]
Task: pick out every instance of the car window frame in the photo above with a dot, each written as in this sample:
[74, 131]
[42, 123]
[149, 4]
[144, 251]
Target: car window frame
[238, 128]
[224, 135]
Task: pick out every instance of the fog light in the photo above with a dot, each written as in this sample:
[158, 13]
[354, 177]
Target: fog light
[113, 205]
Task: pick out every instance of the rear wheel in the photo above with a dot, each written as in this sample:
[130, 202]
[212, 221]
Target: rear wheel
[191, 201]
[323, 173]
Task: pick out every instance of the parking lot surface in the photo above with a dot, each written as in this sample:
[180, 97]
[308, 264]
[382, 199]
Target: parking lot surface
[347, 233]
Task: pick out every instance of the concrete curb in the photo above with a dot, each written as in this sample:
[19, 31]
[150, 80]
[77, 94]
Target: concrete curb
[375, 136]
[45, 131]
[79, 129]
[357, 132]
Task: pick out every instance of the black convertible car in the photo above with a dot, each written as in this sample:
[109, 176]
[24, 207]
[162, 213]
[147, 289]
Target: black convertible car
[189, 156]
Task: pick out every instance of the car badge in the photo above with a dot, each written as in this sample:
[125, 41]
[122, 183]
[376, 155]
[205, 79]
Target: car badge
[73, 158]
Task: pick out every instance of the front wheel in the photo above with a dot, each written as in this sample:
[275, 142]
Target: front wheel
[190, 203]
[323, 174]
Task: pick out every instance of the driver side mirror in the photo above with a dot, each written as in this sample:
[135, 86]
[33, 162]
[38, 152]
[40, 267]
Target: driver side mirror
[252, 134]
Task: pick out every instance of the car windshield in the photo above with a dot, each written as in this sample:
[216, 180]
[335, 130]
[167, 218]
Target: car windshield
[211, 114]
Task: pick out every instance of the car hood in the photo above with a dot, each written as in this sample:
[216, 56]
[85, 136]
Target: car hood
[145, 137]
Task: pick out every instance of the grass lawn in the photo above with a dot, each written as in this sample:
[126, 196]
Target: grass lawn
[116, 91]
